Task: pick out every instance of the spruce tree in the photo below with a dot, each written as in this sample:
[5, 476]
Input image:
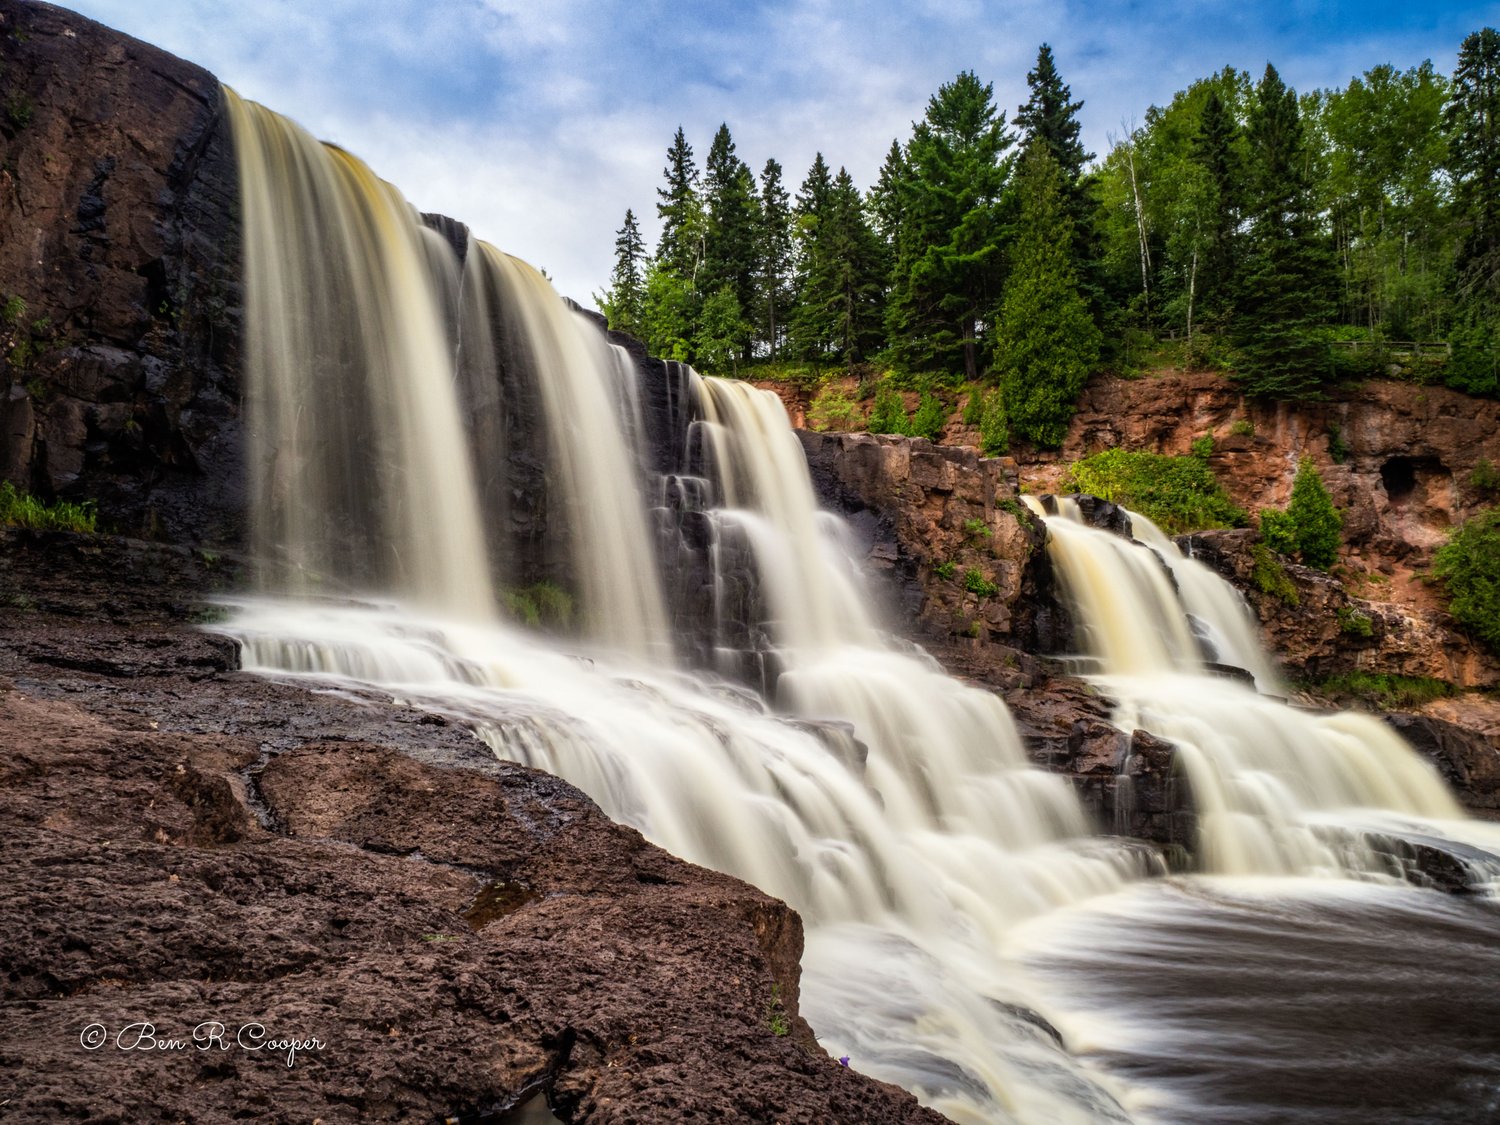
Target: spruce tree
[624, 303]
[807, 326]
[1051, 117]
[733, 218]
[774, 241]
[1213, 149]
[680, 249]
[1047, 344]
[839, 298]
[1284, 285]
[948, 262]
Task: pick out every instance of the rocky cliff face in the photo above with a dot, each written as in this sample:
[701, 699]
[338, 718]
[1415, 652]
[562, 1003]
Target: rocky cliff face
[119, 267]
[1396, 457]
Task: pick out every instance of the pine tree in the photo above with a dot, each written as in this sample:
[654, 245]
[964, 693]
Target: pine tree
[839, 296]
[680, 249]
[1473, 120]
[1051, 117]
[624, 304]
[1047, 344]
[948, 262]
[1213, 150]
[1284, 284]
[775, 256]
[807, 327]
[733, 220]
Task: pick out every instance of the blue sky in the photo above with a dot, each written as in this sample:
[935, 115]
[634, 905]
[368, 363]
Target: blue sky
[538, 122]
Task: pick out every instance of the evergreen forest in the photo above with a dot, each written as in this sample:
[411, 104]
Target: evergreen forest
[1292, 240]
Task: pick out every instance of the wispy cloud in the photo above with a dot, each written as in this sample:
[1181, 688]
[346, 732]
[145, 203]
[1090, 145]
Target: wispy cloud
[540, 123]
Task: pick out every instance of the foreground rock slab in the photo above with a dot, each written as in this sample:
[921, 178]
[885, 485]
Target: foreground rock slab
[187, 848]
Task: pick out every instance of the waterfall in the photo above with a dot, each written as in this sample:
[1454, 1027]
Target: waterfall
[357, 452]
[1277, 790]
[890, 805]
[434, 429]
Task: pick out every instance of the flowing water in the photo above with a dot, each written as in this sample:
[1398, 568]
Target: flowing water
[1277, 790]
[432, 422]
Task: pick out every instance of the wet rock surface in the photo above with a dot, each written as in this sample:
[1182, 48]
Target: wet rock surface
[186, 845]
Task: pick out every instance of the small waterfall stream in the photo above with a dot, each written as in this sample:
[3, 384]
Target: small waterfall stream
[1278, 791]
[432, 425]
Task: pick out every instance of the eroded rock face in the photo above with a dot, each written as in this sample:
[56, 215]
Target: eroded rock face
[1395, 456]
[119, 264]
[944, 526]
[182, 843]
[1319, 634]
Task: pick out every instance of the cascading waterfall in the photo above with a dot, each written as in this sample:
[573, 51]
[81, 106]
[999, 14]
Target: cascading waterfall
[1277, 791]
[427, 415]
[357, 463]
[896, 812]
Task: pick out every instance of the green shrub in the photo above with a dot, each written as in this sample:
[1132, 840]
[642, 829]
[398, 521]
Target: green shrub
[1355, 623]
[1469, 566]
[1474, 366]
[976, 583]
[1484, 478]
[20, 509]
[832, 409]
[1016, 508]
[930, 418]
[1242, 427]
[974, 406]
[542, 604]
[944, 570]
[1317, 523]
[994, 425]
[1338, 448]
[1180, 494]
[888, 415]
[1203, 447]
[1270, 577]
[1277, 531]
[977, 529]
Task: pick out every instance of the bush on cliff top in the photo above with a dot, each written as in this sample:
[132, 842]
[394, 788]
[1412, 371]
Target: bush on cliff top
[1179, 494]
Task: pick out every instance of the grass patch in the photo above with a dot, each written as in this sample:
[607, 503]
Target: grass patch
[1387, 691]
[542, 604]
[776, 1018]
[1179, 494]
[21, 509]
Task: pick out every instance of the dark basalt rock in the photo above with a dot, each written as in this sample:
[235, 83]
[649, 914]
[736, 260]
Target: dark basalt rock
[181, 843]
[118, 234]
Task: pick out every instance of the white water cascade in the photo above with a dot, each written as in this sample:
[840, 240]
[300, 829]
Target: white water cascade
[891, 806]
[1277, 790]
[394, 366]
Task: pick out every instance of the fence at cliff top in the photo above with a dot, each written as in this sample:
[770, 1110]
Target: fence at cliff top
[430, 418]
